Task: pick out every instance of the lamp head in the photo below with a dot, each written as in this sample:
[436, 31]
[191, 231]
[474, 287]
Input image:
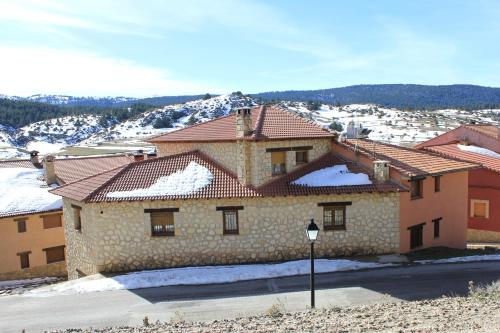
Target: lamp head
[312, 231]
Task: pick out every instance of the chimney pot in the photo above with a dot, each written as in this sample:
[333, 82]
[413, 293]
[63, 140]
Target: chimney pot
[139, 155]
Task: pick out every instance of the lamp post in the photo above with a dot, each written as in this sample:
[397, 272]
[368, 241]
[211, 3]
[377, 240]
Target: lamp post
[312, 233]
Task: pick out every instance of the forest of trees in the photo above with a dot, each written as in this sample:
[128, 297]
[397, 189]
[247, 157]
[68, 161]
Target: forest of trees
[20, 113]
[402, 96]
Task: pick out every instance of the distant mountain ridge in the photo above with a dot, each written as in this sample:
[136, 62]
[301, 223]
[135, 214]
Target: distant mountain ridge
[402, 96]
[91, 101]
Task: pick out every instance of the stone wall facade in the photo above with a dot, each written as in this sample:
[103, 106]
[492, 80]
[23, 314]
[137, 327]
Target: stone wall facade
[261, 168]
[483, 236]
[249, 159]
[226, 153]
[117, 236]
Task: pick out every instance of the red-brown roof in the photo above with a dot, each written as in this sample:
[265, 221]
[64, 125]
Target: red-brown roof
[268, 123]
[411, 162]
[283, 186]
[488, 130]
[69, 170]
[452, 150]
[224, 184]
[486, 136]
[145, 173]
[17, 164]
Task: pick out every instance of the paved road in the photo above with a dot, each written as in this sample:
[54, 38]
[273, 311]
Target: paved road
[230, 300]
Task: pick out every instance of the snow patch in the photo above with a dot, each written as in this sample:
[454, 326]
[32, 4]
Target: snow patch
[22, 190]
[479, 150]
[45, 148]
[201, 275]
[338, 175]
[487, 257]
[192, 179]
[27, 282]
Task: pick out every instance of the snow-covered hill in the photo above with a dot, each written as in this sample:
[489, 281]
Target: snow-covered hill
[387, 124]
[393, 125]
[170, 117]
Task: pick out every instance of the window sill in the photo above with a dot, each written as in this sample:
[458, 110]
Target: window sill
[163, 235]
[55, 262]
[278, 174]
[341, 227]
[231, 233]
[416, 198]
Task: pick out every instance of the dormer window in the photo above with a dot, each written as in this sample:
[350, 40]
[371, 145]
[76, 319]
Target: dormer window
[278, 162]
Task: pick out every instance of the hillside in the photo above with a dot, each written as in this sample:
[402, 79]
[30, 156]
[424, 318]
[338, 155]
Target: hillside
[95, 127]
[401, 96]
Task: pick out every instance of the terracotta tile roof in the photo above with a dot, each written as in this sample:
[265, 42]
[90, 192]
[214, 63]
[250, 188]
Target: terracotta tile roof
[452, 150]
[69, 170]
[488, 130]
[143, 174]
[486, 136]
[411, 162]
[81, 189]
[224, 185]
[17, 164]
[283, 186]
[268, 123]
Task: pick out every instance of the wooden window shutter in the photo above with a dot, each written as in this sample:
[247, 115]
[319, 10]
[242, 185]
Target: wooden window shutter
[52, 221]
[54, 254]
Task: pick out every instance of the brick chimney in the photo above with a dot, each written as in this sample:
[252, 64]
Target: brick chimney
[139, 155]
[243, 122]
[50, 172]
[381, 170]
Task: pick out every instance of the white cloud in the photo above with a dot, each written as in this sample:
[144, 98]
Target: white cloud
[26, 71]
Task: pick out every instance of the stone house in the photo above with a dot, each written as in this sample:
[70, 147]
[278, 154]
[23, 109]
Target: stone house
[242, 188]
[228, 191]
[477, 144]
[32, 242]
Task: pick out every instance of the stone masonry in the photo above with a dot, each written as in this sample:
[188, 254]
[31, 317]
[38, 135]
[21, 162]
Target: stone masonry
[117, 236]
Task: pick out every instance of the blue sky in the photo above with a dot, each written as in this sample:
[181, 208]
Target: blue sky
[148, 48]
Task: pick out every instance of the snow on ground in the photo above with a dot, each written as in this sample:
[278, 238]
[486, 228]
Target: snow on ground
[192, 179]
[22, 190]
[338, 175]
[44, 148]
[486, 257]
[393, 125]
[478, 150]
[201, 275]
[26, 282]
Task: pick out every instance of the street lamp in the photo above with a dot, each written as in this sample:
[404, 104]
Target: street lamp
[312, 233]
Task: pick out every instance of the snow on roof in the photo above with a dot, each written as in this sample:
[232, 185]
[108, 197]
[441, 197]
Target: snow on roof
[478, 150]
[192, 179]
[338, 175]
[22, 191]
